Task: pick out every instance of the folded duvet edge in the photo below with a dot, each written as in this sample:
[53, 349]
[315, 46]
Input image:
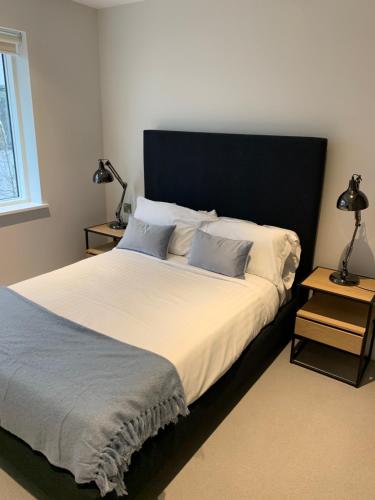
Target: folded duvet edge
[116, 456]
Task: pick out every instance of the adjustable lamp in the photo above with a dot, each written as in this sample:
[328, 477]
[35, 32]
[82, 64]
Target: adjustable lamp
[351, 200]
[103, 176]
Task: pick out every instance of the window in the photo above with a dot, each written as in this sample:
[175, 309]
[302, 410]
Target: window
[19, 173]
[9, 188]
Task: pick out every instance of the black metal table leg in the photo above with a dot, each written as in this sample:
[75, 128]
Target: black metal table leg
[87, 239]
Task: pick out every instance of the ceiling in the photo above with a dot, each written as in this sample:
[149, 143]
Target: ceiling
[101, 4]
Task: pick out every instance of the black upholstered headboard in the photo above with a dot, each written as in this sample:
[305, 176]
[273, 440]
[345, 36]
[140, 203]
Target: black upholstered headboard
[274, 180]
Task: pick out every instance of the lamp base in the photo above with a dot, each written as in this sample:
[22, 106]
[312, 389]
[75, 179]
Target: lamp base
[340, 279]
[117, 225]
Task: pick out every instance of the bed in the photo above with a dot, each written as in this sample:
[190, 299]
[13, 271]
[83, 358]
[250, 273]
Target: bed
[259, 178]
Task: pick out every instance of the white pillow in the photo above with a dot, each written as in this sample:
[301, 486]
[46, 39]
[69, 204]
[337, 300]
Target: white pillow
[211, 212]
[270, 251]
[293, 260]
[185, 219]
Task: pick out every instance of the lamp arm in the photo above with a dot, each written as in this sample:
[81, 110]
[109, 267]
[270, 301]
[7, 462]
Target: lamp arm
[350, 248]
[119, 207]
[116, 174]
[124, 185]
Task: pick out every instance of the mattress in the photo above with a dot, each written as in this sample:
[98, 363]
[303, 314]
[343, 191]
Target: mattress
[199, 320]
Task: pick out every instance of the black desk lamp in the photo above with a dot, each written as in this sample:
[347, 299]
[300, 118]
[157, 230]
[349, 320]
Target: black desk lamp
[352, 200]
[102, 175]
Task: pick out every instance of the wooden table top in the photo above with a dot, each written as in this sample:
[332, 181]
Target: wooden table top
[106, 231]
[319, 280]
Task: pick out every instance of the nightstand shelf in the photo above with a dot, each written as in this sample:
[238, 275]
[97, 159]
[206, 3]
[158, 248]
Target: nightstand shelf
[337, 318]
[336, 311]
[101, 248]
[104, 230]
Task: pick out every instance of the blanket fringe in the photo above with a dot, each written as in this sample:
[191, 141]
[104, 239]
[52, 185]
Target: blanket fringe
[115, 458]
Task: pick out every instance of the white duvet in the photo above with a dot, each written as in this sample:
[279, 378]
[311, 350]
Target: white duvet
[198, 320]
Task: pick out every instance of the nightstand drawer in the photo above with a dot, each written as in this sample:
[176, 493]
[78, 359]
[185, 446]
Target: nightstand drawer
[328, 335]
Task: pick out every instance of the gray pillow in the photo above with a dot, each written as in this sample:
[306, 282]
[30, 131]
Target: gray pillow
[220, 255]
[146, 238]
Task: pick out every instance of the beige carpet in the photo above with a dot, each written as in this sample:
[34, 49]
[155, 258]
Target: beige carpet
[295, 435]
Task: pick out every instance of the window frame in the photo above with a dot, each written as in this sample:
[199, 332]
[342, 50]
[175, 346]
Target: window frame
[14, 130]
[18, 88]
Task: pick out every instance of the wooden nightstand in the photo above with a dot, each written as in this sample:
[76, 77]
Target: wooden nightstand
[103, 230]
[335, 318]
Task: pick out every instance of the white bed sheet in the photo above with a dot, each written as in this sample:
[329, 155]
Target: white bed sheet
[199, 320]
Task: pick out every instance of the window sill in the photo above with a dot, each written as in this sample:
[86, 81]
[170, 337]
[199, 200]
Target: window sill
[21, 208]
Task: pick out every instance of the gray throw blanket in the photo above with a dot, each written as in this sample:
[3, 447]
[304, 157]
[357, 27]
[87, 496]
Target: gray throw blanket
[84, 400]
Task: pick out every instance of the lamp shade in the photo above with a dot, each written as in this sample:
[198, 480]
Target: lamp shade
[353, 199]
[102, 175]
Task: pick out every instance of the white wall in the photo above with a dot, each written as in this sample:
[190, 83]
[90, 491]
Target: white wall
[64, 65]
[296, 67]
